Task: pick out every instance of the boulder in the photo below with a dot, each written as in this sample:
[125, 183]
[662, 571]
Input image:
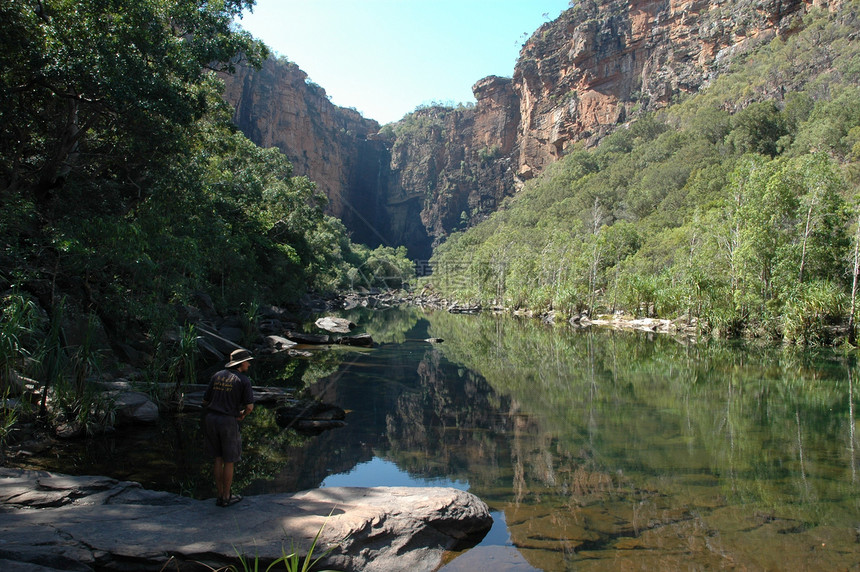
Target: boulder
[334, 325]
[86, 523]
[353, 301]
[134, 407]
[204, 301]
[275, 326]
[278, 343]
[309, 339]
[233, 334]
[218, 341]
[272, 312]
[69, 429]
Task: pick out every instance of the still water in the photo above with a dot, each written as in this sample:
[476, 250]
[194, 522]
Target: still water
[595, 450]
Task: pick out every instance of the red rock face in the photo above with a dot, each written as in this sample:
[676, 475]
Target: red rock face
[454, 165]
[276, 107]
[596, 67]
[601, 63]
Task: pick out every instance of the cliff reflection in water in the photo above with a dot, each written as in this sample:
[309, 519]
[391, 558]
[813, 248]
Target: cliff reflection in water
[605, 448]
[406, 403]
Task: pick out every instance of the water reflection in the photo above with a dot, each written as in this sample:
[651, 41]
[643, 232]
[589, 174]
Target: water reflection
[381, 473]
[594, 449]
[649, 453]
[604, 449]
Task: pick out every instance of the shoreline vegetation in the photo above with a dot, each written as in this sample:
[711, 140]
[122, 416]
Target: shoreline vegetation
[132, 209]
[738, 205]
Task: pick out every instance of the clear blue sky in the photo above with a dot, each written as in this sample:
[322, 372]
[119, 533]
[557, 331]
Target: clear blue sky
[386, 57]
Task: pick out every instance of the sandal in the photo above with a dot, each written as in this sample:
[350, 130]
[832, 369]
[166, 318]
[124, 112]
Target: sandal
[232, 500]
[220, 502]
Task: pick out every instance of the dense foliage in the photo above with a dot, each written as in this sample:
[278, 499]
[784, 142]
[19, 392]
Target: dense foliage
[736, 206]
[123, 184]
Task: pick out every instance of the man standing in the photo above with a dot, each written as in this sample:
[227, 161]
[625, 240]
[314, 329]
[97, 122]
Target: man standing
[228, 400]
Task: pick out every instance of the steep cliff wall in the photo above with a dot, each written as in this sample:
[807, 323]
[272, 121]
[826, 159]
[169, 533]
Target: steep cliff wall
[602, 62]
[454, 165]
[277, 107]
[596, 67]
[440, 170]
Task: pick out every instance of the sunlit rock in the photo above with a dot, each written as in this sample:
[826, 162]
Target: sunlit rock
[334, 325]
[73, 523]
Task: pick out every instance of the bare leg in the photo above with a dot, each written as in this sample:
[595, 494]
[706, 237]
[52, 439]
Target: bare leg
[218, 470]
[226, 479]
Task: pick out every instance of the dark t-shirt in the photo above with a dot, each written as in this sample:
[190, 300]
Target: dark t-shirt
[228, 392]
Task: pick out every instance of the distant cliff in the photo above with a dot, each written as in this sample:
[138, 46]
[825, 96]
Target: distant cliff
[599, 65]
[276, 106]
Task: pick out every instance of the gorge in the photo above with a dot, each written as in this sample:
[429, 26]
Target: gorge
[693, 164]
[597, 67]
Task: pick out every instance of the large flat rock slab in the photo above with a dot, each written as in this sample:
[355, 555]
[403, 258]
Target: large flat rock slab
[87, 523]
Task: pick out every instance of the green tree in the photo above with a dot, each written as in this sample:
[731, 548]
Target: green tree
[822, 216]
[123, 183]
[757, 129]
[94, 89]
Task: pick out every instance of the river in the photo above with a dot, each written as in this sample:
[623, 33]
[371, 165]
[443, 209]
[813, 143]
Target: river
[595, 449]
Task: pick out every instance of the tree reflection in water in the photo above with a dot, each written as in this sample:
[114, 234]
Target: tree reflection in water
[596, 449]
[609, 449]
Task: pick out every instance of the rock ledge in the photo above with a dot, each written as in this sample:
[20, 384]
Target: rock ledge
[51, 521]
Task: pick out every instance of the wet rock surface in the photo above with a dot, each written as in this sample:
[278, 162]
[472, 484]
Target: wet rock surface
[52, 521]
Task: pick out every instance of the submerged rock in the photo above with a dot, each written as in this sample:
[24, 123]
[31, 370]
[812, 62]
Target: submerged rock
[360, 341]
[310, 417]
[88, 523]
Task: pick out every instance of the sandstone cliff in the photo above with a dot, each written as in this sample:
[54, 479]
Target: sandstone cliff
[455, 164]
[277, 106]
[599, 65]
[603, 62]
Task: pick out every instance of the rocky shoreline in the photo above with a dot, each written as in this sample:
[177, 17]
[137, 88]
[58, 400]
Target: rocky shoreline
[277, 331]
[682, 327]
[58, 522]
